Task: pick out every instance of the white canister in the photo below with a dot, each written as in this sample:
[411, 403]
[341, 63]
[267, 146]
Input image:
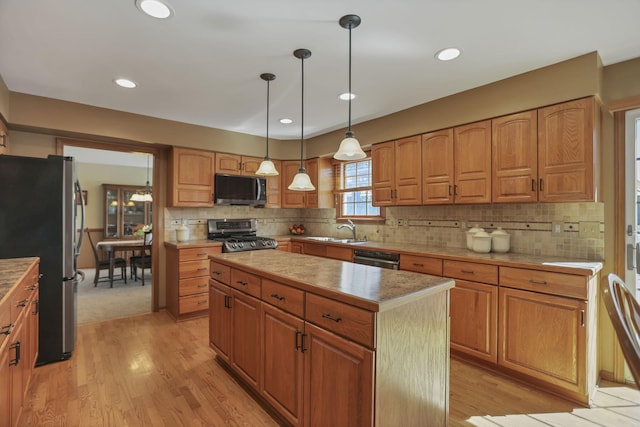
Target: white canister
[182, 233]
[481, 242]
[473, 230]
[500, 241]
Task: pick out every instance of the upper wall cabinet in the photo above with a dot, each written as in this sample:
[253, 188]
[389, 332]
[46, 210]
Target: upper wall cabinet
[274, 187]
[515, 158]
[320, 172]
[397, 172]
[4, 139]
[437, 167]
[566, 146]
[234, 164]
[190, 181]
[472, 159]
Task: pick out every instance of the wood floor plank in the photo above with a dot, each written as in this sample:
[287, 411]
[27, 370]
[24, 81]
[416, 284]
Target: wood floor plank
[151, 371]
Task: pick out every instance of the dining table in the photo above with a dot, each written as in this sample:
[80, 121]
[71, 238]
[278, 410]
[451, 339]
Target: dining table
[113, 246]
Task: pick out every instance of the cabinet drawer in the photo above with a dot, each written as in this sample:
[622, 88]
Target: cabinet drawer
[568, 285]
[245, 282]
[192, 303]
[193, 269]
[193, 254]
[473, 271]
[194, 285]
[220, 272]
[5, 320]
[283, 296]
[343, 319]
[337, 252]
[421, 264]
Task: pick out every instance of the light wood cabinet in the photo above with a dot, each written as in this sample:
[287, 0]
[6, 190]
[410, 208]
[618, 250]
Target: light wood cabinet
[567, 140]
[421, 264]
[296, 248]
[235, 164]
[396, 172]
[438, 167]
[472, 159]
[274, 187]
[18, 344]
[190, 178]
[187, 272]
[515, 158]
[328, 251]
[4, 138]
[321, 174]
[123, 216]
[220, 319]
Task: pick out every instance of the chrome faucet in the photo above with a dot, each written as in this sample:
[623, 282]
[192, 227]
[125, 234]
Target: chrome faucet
[351, 226]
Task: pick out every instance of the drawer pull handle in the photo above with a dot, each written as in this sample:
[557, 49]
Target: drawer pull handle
[217, 273]
[538, 282]
[278, 297]
[467, 271]
[242, 282]
[202, 302]
[6, 330]
[202, 254]
[202, 285]
[227, 301]
[202, 269]
[330, 317]
[16, 361]
[33, 287]
[418, 264]
[22, 303]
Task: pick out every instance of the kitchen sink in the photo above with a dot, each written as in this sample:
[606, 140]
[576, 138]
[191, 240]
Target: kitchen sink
[337, 240]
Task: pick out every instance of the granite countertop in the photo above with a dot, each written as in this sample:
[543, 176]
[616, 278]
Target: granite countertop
[537, 262]
[191, 244]
[11, 271]
[371, 288]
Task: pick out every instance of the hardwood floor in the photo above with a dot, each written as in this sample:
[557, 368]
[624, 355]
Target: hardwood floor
[150, 371]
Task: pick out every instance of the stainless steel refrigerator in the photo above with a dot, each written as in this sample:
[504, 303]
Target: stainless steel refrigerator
[42, 214]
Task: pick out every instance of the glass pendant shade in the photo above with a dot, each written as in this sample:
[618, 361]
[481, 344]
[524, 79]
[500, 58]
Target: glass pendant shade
[301, 182]
[267, 168]
[349, 149]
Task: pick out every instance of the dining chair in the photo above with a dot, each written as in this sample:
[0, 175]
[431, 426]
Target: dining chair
[624, 312]
[142, 261]
[103, 264]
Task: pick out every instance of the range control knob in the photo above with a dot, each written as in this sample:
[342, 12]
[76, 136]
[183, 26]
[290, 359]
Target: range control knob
[253, 244]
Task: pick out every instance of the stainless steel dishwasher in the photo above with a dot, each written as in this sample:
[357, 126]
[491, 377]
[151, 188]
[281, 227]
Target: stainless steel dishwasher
[377, 258]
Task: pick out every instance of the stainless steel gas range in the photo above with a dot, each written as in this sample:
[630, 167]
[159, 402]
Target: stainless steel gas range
[238, 235]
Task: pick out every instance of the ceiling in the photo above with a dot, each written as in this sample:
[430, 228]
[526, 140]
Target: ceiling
[202, 65]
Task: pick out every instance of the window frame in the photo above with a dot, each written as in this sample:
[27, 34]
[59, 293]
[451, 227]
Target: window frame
[339, 170]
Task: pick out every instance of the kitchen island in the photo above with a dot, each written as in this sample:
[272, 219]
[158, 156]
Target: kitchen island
[327, 342]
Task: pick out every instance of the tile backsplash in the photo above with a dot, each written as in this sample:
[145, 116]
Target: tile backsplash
[531, 226]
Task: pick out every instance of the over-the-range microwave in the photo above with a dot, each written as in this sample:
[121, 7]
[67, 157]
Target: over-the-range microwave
[239, 190]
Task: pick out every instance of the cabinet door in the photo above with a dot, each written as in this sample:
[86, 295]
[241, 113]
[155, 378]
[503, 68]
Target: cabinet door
[566, 151]
[5, 383]
[220, 319]
[408, 171]
[382, 174]
[191, 178]
[17, 362]
[245, 341]
[515, 158]
[34, 314]
[311, 199]
[338, 381]
[472, 154]
[228, 163]
[274, 187]
[291, 199]
[474, 319]
[437, 167]
[282, 362]
[250, 165]
[543, 336]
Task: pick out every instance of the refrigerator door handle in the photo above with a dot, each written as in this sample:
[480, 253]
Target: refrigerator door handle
[82, 217]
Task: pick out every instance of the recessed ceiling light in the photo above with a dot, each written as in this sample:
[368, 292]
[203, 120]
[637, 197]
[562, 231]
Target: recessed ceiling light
[448, 54]
[155, 8]
[346, 96]
[125, 83]
[286, 121]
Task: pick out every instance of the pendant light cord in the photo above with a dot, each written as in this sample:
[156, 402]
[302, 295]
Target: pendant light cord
[350, 94]
[268, 82]
[302, 119]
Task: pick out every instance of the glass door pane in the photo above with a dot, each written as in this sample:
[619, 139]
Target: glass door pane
[132, 213]
[111, 229]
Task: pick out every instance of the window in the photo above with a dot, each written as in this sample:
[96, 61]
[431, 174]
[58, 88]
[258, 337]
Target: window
[354, 193]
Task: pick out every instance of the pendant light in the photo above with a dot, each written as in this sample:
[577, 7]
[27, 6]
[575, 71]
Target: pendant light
[349, 147]
[267, 168]
[145, 195]
[302, 182]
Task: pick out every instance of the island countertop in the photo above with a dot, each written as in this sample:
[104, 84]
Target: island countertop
[11, 271]
[371, 288]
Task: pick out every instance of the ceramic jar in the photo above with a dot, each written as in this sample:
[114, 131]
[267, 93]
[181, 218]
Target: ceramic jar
[182, 232]
[473, 230]
[481, 242]
[500, 241]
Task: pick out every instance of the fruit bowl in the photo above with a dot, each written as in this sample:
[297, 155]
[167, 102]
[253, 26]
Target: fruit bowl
[296, 229]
